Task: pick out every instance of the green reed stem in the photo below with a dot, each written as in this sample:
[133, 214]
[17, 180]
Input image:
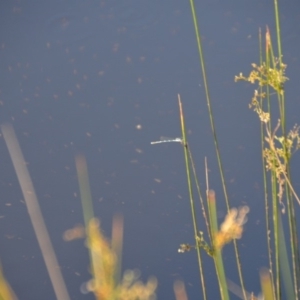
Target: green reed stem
[270, 58]
[288, 186]
[197, 32]
[117, 245]
[84, 187]
[294, 245]
[266, 198]
[290, 203]
[217, 256]
[208, 101]
[87, 205]
[199, 194]
[266, 285]
[188, 173]
[284, 263]
[276, 234]
[278, 30]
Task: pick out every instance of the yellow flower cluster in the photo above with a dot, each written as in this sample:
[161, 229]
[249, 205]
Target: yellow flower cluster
[104, 265]
[232, 227]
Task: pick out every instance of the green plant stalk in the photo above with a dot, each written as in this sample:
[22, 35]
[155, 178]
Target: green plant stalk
[97, 263]
[288, 187]
[271, 63]
[217, 256]
[87, 208]
[290, 203]
[278, 30]
[197, 32]
[266, 285]
[294, 245]
[212, 123]
[291, 222]
[274, 204]
[199, 193]
[284, 263]
[117, 245]
[276, 235]
[262, 136]
[84, 187]
[187, 165]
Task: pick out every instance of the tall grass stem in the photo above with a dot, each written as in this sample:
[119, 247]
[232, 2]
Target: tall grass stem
[208, 101]
[192, 204]
[84, 187]
[217, 256]
[35, 212]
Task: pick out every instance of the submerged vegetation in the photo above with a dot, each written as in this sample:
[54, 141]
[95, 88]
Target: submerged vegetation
[279, 280]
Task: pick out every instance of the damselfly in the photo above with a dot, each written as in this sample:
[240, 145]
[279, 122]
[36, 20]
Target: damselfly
[167, 140]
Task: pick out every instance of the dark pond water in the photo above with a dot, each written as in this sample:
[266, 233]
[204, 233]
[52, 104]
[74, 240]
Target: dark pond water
[101, 78]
